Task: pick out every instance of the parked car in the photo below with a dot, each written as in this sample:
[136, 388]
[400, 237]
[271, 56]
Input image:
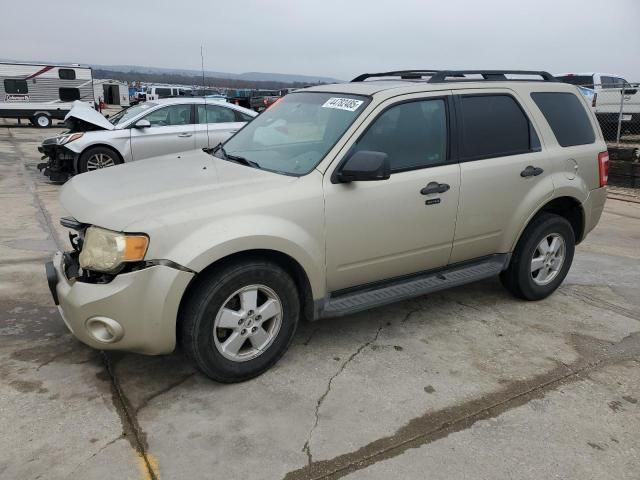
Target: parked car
[143, 131]
[262, 99]
[337, 199]
[610, 95]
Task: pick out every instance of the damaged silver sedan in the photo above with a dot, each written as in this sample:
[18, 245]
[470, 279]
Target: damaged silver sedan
[145, 130]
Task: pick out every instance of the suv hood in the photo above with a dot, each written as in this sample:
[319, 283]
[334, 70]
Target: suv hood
[83, 111]
[120, 196]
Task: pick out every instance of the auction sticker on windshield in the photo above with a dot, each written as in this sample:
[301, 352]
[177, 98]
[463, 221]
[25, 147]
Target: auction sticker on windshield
[348, 104]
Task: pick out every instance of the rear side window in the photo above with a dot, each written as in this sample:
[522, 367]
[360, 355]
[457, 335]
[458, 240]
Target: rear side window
[242, 117]
[580, 80]
[15, 86]
[163, 92]
[413, 135]
[66, 74]
[566, 116]
[69, 94]
[493, 126]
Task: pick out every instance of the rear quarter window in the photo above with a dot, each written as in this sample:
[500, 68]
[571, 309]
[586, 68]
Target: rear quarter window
[566, 116]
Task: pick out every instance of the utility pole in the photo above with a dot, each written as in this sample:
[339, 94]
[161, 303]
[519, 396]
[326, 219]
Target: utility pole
[202, 65]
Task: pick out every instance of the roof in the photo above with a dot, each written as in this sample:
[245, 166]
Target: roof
[390, 88]
[33, 64]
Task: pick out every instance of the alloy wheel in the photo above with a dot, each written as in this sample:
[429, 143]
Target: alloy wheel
[247, 323]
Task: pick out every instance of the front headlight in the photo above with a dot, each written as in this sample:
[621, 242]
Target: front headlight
[105, 250]
[70, 137]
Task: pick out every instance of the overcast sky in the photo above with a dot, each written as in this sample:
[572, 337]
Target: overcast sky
[330, 37]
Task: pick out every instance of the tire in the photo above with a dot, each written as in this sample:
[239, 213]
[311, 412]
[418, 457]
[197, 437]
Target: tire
[41, 120]
[520, 278]
[215, 301]
[97, 158]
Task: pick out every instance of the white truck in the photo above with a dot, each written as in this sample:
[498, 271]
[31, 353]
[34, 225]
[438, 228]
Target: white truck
[612, 97]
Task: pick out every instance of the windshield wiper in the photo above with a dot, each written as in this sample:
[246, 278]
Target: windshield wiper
[234, 158]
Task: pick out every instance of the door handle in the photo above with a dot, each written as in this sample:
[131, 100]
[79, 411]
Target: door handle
[434, 187]
[233, 131]
[531, 171]
[185, 135]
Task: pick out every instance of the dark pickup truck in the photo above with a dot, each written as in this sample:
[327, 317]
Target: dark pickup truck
[261, 99]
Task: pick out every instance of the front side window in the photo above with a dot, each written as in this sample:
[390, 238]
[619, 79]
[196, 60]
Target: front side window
[566, 116]
[215, 114]
[66, 74]
[294, 135]
[170, 116]
[127, 114]
[69, 94]
[412, 134]
[493, 126]
[16, 86]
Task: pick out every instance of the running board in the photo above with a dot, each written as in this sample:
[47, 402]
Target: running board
[413, 286]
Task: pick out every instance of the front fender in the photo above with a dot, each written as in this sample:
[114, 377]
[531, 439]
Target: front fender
[227, 236]
[119, 140]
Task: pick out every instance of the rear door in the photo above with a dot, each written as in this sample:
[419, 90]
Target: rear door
[172, 131]
[504, 173]
[216, 123]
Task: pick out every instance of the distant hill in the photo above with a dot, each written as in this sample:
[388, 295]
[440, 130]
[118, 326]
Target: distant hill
[248, 76]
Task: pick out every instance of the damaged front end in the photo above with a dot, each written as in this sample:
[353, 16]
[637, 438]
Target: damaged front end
[61, 162]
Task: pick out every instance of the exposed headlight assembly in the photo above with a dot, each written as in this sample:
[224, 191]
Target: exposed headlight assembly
[67, 138]
[106, 251]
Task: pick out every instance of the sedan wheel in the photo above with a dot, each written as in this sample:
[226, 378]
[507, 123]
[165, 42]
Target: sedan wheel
[99, 160]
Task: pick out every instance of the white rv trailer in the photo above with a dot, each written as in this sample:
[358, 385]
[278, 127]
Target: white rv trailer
[41, 92]
[111, 92]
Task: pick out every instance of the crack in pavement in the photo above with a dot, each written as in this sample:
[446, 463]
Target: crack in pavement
[164, 390]
[599, 303]
[307, 445]
[592, 353]
[93, 455]
[130, 428]
[306, 448]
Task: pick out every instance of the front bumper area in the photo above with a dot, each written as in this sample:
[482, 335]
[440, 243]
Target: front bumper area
[144, 304]
[60, 162]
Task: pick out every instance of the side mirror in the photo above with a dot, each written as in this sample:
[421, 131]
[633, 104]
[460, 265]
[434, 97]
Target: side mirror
[630, 91]
[142, 124]
[363, 166]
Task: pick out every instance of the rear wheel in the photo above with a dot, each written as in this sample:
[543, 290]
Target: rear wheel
[97, 158]
[41, 120]
[542, 258]
[238, 321]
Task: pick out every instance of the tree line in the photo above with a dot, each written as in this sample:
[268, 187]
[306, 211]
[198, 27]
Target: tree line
[196, 80]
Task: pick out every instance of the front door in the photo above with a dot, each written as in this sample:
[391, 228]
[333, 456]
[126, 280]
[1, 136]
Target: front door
[171, 131]
[384, 229]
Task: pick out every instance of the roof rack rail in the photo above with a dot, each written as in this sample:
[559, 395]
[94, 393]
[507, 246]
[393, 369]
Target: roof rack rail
[404, 74]
[440, 76]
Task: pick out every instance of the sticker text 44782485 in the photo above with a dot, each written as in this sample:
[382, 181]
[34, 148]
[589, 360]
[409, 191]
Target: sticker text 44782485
[349, 104]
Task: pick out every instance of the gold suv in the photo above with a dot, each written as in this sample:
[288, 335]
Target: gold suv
[336, 199]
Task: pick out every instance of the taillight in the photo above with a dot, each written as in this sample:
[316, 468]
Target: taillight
[603, 168]
[595, 97]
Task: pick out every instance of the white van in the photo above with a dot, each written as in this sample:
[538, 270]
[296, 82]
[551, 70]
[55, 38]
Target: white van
[166, 91]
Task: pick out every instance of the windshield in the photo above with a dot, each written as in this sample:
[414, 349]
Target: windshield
[131, 112]
[295, 134]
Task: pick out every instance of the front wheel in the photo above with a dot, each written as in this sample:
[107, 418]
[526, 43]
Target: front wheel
[97, 158]
[239, 320]
[541, 259]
